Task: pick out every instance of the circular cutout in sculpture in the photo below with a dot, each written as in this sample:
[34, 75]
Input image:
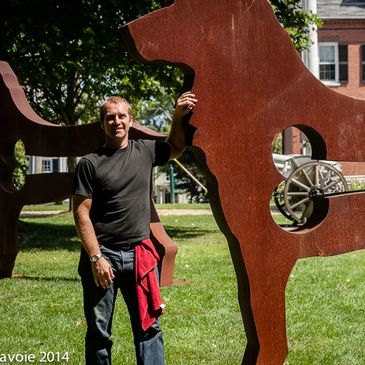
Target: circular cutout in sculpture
[307, 180]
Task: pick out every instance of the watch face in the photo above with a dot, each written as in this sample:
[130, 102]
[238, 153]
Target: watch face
[95, 258]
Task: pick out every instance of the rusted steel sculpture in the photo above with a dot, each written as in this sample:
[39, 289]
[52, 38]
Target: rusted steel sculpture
[251, 85]
[166, 248]
[41, 138]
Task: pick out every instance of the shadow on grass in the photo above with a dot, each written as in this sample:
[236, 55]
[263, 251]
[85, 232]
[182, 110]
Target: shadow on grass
[63, 236]
[177, 233]
[47, 236]
[45, 278]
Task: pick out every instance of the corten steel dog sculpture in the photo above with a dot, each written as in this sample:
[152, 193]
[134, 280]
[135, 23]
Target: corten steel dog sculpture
[19, 121]
[252, 85]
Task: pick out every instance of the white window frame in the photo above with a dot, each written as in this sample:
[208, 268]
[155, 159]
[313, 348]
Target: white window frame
[50, 161]
[335, 82]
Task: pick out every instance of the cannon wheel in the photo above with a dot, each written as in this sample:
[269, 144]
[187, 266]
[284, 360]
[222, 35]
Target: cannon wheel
[280, 202]
[307, 182]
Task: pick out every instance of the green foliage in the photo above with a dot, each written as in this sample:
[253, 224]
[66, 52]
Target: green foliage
[296, 21]
[156, 111]
[184, 182]
[356, 185]
[69, 55]
[21, 170]
[277, 145]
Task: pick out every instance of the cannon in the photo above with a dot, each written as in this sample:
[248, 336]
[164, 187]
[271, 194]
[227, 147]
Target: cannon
[305, 181]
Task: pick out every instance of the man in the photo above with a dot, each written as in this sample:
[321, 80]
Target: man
[111, 205]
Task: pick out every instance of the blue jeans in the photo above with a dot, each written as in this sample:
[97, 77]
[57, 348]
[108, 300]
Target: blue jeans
[99, 307]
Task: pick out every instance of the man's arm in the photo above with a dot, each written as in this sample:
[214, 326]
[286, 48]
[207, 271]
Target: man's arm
[177, 139]
[102, 270]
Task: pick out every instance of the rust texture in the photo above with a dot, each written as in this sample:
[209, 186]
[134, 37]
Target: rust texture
[251, 85]
[18, 121]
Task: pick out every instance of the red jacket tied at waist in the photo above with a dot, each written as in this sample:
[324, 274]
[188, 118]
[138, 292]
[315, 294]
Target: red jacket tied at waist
[150, 304]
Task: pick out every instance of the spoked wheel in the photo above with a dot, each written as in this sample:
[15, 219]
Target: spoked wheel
[280, 202]
[308, 182]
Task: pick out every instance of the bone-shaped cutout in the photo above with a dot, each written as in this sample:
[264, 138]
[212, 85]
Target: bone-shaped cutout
[251, 85]
[304, 181]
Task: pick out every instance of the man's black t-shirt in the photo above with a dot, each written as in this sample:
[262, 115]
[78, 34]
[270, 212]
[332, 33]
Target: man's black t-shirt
[118, 182]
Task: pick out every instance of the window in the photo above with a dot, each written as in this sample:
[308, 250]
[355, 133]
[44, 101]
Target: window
[327, 62]
[363, 63]
[47, 165]
[333, 62]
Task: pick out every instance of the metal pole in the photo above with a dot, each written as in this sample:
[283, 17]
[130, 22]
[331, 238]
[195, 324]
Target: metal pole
[172, 183]
[191, 175]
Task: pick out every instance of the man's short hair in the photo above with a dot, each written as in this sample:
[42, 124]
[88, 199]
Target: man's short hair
[114, 100]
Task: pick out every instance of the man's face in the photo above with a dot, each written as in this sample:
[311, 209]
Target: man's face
[116, 123]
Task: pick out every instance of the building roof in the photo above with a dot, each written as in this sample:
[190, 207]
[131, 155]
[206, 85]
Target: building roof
[341, 9]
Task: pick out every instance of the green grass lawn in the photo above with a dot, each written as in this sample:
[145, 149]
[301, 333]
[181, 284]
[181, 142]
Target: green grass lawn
[183, 206]
[65, 207]
[46, 207]
[42, 309]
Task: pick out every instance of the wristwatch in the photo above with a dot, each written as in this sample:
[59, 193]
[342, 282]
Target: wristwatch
[95, 258]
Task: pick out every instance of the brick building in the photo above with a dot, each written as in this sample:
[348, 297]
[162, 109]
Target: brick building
[340, 44]
[341, 48]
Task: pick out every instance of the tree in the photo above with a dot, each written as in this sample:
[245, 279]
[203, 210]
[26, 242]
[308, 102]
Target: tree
[296, 21]
[184, 183]
[68, 55]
